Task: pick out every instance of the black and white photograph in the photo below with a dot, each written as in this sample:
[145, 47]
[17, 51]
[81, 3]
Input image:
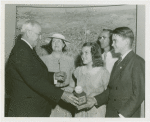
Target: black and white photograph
[74, 60]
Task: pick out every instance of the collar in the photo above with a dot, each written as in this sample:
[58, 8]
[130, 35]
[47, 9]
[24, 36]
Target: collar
[92, 71]
[27, 43]
[123, 56]
[108, 53]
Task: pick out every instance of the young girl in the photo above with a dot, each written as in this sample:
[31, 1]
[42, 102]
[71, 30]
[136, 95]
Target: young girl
[92, 77]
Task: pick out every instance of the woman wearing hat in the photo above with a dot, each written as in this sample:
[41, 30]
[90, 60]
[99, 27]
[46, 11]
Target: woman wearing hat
[58, 61]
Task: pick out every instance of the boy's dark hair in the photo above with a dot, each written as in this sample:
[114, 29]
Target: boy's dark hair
[124, 32]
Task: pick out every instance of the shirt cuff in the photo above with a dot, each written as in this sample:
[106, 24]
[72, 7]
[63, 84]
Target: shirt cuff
[121, 116]
[55, 81]
[95, 101]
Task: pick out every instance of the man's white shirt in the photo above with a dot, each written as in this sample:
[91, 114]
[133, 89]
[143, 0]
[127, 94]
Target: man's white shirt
[109, 61]
[27, 43]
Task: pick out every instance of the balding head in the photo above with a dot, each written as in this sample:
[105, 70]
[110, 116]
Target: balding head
[31, 32]
[29, 25]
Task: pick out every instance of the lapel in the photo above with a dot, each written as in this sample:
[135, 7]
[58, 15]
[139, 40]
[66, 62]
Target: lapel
[117, 70]
[33, 52]
[113, 70]
[38, 58]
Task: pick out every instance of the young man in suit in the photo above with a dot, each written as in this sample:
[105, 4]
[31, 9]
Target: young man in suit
[126, 88]
[32, 90]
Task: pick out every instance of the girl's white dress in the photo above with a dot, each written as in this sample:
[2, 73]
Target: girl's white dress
[93, 83]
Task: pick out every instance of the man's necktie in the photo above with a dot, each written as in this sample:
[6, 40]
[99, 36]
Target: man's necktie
[119, 60]
[34, 51]
[105, 55]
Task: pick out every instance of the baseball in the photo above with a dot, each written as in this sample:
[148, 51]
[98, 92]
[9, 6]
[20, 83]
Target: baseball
[78, 89]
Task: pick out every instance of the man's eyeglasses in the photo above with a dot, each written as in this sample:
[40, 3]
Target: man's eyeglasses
[38, 34]
[101, 37]
[35, 33]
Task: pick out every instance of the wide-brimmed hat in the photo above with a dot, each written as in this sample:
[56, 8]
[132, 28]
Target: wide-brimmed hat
[59, 36]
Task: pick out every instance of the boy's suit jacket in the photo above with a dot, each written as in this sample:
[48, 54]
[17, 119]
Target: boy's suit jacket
[32, 91]
[126, 89]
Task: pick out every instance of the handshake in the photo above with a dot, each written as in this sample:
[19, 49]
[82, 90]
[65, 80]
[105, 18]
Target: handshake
[80, 101]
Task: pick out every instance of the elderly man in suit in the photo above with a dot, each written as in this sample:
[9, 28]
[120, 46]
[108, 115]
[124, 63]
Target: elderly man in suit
[32, 90]
[126, 88]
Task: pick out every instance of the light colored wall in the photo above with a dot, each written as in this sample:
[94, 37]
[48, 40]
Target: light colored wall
[140, 47]
[10, 22]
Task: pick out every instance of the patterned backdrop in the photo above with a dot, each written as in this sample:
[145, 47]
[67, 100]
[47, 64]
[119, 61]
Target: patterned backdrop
[78, 24]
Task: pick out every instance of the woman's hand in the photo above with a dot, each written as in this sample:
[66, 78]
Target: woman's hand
[62, 76]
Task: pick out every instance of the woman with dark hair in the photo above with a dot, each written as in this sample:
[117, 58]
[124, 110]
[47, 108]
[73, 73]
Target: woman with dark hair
[108, 55]
[92, 77]
[57, 61]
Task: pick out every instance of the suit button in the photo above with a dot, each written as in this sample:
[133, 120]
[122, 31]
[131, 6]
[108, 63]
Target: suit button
[114, 99]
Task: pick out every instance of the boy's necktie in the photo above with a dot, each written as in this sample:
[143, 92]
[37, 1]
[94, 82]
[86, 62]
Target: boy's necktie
[119, 60]
[105, 55]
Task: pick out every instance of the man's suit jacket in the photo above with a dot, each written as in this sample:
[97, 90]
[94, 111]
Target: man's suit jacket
[126, 88]
[32, 91]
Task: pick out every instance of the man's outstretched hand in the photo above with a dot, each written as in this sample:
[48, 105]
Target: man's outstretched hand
[70, 98]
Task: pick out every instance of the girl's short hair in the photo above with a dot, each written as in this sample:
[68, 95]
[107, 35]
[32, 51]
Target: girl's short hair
[96, 53]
